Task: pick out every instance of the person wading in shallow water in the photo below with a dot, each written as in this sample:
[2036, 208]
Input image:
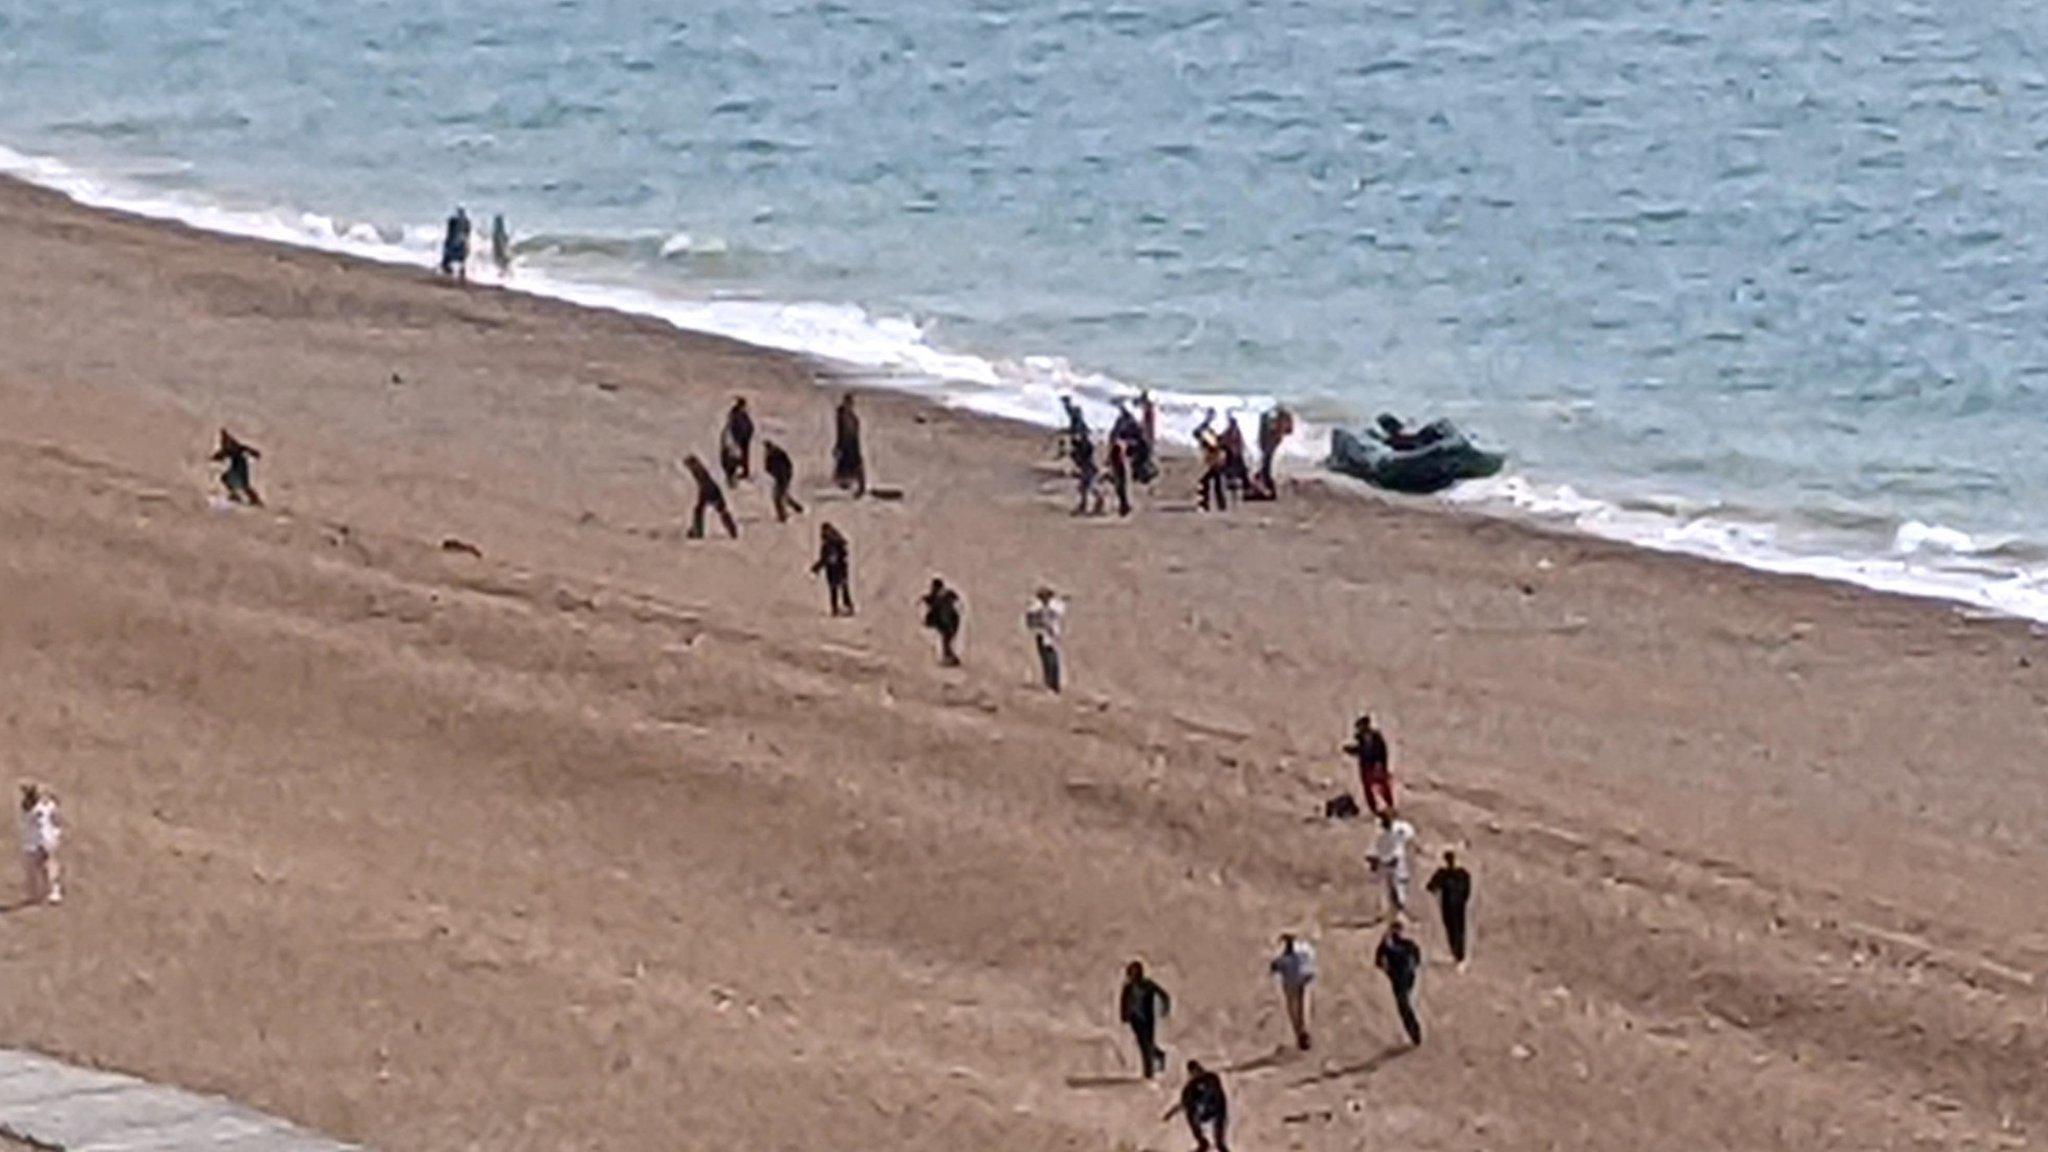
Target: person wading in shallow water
[849, 466]
[709, 497]
[781, 473]
[736, 443]
[236, 478]
[835, 560]
[942, 614]
[455, 246]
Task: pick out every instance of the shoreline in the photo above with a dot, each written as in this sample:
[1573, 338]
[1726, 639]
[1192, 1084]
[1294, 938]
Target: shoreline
[595, 834]
[967, 382]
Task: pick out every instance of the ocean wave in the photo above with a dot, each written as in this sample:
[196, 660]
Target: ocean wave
[1995, 573]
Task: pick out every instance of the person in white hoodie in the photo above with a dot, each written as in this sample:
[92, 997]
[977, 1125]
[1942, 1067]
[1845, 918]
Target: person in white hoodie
[1046, 621]
[41, 831]
[1389, 860]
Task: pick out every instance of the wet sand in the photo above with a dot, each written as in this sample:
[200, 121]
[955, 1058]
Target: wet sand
[609, 839]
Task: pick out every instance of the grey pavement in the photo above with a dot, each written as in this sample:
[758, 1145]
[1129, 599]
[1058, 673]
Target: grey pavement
[56, 1105]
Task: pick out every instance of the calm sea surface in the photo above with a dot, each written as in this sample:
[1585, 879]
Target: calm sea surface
[1761, 278]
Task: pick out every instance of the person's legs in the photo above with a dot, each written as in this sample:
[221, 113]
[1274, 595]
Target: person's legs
[32, 876]
[947, 656]
[1195, 1126]
[1149, 1057]
[53, 879]
[697, 519]
[1379, 791]
[1219, 1122]
[1297, 1012]
[1404, 1002]
[1049, 664]
[1397, 888]
[732, 527]
[1454, 930]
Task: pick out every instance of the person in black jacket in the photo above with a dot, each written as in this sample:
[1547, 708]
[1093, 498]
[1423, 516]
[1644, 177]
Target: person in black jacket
[236, 455]
[1452, 886]
[709, 496]
[942, 614]
[1141, 1006]
[849, 465]
[835, 560]
[736, 443]
[1202, 1101]
[781, 472]
[1401, 959]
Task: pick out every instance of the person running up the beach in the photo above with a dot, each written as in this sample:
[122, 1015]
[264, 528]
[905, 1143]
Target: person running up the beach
[1141, 1006]
[1375, 770]
[1389, 860]
[1202, 1101]
[455, 246]
[1296, 968]
[709, 497]
[1400, 957]
[835, 560]
[1046, 620]
[849, 467]
[1452, 887]
[236, 455]
[501, 245]
[1276, 424]
[736, 443]
[42, 829]
[781, 473]
[942, 614]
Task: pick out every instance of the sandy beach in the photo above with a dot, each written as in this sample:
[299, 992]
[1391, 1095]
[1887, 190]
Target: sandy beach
[606, 839]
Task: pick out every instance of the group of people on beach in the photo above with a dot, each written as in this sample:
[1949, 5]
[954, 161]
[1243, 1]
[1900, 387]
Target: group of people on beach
[1131, 456]
[455, 243]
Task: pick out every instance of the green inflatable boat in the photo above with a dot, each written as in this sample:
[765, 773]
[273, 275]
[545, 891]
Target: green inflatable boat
[1429, 459]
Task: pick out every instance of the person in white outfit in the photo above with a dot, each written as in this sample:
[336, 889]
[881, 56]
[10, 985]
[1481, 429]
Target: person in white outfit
[1296, 968]
[41, 831]
[1390, 852]
[1046, 620]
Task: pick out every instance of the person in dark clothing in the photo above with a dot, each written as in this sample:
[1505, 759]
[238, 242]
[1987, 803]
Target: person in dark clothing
[1202, 1101]
[835, 560]
[736, 443]
[942, 615]
[1120, 476]
[1401, 959]
[781, 471]
[236, 478]
[1215, 466]
[1130, 433]
[1087, 477]
[1276, 424]
[455, 246]
[709, 496]
[1375, 770]
[1141, 1006]
[1452, 886]
[849, 468]
[1236, 468]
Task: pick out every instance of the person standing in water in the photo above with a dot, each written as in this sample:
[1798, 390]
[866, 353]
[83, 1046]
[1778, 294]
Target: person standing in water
[942, 614]
[1375, 768]
[1296, 968]
[501, 245]
[455, 245]
[1141, 1006]
[1401, 959]
[1202, 1101]
[41, 831]
[709, 497]
[736, 443]
[1046, 620]
[1389, 860]
[849, 467]
[1452, 887]
[781, 472]
[236, 455]
[835, 560]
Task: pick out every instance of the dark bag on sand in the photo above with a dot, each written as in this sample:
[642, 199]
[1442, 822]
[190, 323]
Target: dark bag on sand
[1340, 807]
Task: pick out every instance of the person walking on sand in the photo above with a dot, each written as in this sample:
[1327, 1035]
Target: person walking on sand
[1452, 887]
[1202, 1101]
[781, 472]
[942, 614]
[1375, 769]
[1296, 968]
[1389, 859]
[455, 245]
[736, 443]
[1046, 620]
[1236, 468]
[849, 468]
[1120, 476]
[709, 497]
[1215, 466]
[42, 829]
[1400, 957]
[235, 478]
[1141, 1006]
[1137, 443]
[1087, 476]
[501, 245]
[1276, 424]
[835, 560]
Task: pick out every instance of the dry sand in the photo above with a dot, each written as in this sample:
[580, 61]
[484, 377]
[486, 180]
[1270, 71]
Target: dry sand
[611, 840]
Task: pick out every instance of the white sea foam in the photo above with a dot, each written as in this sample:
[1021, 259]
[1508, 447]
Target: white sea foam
[1922, 560]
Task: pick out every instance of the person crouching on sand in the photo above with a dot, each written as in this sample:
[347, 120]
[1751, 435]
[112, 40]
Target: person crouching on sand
[42, 829]
[835, 560]
[709, 497]
[1202, 1101]
[942, 614]
[1296, 968]
[1046, 621]
[236, 455]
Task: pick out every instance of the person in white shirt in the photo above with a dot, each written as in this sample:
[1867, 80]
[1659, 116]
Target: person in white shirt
[1389, 858]
[1296, 968]
[1046, 620]
[41, 831]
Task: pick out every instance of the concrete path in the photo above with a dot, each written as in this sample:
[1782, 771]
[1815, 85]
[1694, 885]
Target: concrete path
[55, 1105]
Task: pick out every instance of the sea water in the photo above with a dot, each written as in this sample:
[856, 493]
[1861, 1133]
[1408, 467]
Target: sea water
[1759, 279]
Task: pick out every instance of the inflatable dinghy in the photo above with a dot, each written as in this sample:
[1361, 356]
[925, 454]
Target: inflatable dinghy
[1438, 456]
